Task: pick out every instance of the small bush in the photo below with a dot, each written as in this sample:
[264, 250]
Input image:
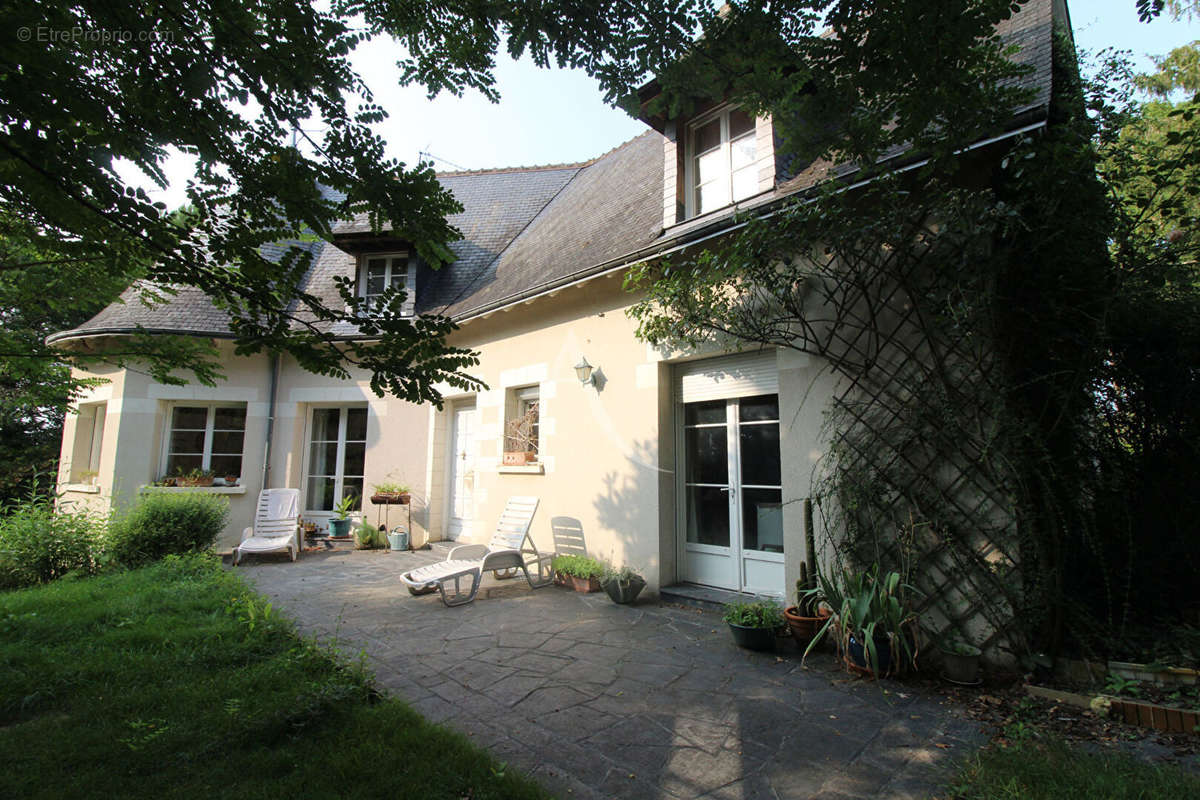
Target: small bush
[164, 524]
[368, 537]
[759, 614]
[578, 566]
[39, 544]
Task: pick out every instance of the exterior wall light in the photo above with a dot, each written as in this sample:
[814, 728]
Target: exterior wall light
[583, 371]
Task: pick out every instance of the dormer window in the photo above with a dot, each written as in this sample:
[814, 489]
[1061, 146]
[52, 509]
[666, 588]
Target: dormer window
[388, 271]
[722, 166]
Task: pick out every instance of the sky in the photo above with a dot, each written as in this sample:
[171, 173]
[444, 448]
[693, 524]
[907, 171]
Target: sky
[554, 116]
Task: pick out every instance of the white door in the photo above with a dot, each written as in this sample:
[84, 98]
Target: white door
[461, 479]
[732, 494]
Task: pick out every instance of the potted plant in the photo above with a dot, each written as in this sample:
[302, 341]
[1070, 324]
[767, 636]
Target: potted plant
[876, 628]
[232, 480]
[197, 477]
[622, 584]
[582, 572]
[367, 537]
[809, 614]
[520, 440]
[88, 477]
[339, 527]
[960, 661]
[310, 532]
[754, 624]
[390, 493]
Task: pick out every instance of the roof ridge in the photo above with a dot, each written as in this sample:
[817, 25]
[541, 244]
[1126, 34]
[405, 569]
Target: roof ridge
[542, 167]
[500, 170]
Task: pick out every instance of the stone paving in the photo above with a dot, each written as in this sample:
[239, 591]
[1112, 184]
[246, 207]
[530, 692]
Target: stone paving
[596, 700]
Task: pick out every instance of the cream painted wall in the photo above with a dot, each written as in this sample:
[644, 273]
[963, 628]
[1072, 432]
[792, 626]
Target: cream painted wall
[599, 446]
[607, 452]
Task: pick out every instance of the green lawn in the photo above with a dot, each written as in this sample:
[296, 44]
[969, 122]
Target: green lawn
[1049, 769]
[177, 681]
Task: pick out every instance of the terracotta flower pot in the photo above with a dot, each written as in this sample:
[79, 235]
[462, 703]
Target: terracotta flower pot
[584, 585]
[804, 628]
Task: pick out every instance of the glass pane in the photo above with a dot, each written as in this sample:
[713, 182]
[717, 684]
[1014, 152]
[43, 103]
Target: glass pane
[353, 487]
[708, 136]
[227, 442]
[189, 417]
[710, 412]
[739, 122]
[375, 284]
[229, 418]
[760, 454]
[399, 274]
[762, 520]
[322, 458]
[710, 167]
[711, 196]
[356, 425]
[325, 424]
[226, 465]
[741, 151]
[707, 516]
[177, 463]
[745, 183]
[355, 458]
[320, 494]
[756, 409]
[187, 442]
[707, 451]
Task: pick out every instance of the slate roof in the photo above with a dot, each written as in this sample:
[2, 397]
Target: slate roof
[531, 228]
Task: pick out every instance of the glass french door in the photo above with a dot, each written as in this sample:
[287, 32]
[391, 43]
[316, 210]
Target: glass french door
[337, 448]
[733, 495]
[463, 447]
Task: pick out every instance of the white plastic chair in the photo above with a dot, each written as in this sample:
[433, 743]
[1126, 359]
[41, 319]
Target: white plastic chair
[507, 551]
[276, 525]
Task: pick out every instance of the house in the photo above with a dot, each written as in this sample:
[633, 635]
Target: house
[686, 466]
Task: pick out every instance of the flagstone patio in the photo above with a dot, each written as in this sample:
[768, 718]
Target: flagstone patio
[597, 700]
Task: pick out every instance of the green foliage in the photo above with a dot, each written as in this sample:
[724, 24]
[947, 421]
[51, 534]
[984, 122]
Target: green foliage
[623, 575]
[960, 648]
[347, 504]
[1116, 684]
[754, 614]
[1050, 769]
[39, 544]
[177, 680]
[367, 537]
[577, 566]
[870, 606]
[161, 524]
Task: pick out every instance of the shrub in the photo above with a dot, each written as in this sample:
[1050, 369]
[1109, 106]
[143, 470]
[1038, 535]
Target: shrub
[162, 524]
[578, 566]
[368, 537]
[759, 614]
[39, 544]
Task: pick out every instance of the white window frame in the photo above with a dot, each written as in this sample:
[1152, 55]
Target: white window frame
[403, 258]
[690, 155]
[209, 425]
[520, 398]
[339, 475]
[89, 439]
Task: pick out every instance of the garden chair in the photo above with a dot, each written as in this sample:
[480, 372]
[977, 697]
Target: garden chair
[508, 549]
[276, 525]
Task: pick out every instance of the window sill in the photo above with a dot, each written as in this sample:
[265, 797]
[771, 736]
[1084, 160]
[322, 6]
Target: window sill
[81, 488]
[527, 469]
[188, 489]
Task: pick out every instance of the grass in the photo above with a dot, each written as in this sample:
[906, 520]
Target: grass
[1049, 769]
[177, 681]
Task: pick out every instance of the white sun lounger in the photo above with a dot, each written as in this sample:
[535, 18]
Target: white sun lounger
[276, 525]
[511, 549]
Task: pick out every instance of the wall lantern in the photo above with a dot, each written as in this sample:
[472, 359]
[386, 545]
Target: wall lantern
[583, 371]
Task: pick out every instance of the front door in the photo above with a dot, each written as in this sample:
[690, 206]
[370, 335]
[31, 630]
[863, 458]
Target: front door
[732, 494]
[461, 479]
